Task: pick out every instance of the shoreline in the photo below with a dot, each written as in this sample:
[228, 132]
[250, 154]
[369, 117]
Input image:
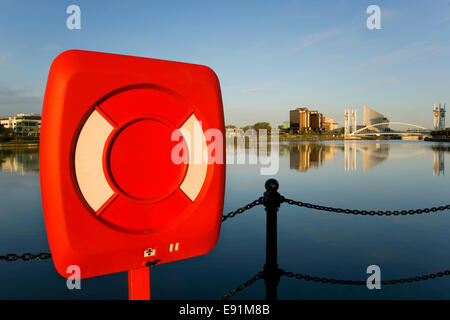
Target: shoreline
[282, 138]
[309, 138]
[437, 139]
[19, 144]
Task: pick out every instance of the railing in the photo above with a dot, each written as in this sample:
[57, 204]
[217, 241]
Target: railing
[271, 272]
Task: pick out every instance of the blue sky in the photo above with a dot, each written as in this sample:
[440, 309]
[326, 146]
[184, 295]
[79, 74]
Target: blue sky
[270, 56]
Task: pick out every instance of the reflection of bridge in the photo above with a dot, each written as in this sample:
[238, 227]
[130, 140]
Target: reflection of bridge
[419, 130]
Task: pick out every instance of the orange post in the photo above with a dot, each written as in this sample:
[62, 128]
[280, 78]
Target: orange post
[139, 284]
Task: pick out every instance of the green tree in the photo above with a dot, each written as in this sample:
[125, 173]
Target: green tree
[6, 134]
[262, 125]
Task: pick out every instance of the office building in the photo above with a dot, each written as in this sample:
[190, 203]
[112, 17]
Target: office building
[305, 120]
[316, 121]
[299, 119]
[23, 124]
[371, 117]
[329, 124]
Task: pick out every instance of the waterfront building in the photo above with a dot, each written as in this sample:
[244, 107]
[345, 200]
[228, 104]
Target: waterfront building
[300, 119]
[329, 124]
[305, 120]
[371, 117]
[316, 121]
[346, 122]
[354, 125]
[439, 117]
[23, 124]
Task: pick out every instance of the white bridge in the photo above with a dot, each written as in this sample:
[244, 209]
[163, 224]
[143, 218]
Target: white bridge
[419, 130]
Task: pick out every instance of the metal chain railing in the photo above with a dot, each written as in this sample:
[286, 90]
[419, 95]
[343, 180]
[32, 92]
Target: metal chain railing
[272, 200]
[11, 257]
[243, 209]
[365, 212]
[306, 277]
[359, 282]
[272, 186]
[258, 276]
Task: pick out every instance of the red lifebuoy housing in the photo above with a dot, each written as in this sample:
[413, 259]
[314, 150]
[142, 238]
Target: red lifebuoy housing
[113, 197]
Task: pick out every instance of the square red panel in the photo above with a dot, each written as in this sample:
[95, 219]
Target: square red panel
[113, 197]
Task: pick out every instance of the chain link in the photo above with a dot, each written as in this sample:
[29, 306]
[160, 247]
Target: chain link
[359, 282]
[11, 257]
[258, 276]
[243, 209]
[365, 212]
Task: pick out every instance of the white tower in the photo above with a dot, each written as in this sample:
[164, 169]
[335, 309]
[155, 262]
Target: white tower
[347, 123]
[439, 117]
[354, 121]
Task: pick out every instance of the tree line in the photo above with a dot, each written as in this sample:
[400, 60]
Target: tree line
[257, 126]
[6, 134]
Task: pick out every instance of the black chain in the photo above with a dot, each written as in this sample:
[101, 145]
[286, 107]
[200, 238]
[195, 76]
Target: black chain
[241, 210]
[365, 212]
[258, 276]
[11, 257]
[359, 282]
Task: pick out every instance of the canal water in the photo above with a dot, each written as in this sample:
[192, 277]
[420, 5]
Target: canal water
[366, 175]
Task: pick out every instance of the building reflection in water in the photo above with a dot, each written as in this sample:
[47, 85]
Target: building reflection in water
[372, 154]
[439, 160]
[305, 156]
[19, 161]
[309, 156]
[302, 156]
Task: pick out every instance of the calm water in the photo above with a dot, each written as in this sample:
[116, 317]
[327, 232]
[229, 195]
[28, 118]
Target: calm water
[364, 175]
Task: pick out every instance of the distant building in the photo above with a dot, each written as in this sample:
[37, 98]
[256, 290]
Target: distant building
[371, 117]
[299, 119]
[303, 119]
[439, 117]
[329, 124]
[23, 124]
[316, 121]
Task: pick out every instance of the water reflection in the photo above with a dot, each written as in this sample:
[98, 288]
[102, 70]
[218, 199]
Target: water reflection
[305, 156]
[309, 156]
[399, 176]
[21, 161]
[438, 159]
[372, 155]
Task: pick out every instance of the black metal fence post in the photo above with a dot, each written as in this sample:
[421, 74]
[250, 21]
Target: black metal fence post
[272, 200]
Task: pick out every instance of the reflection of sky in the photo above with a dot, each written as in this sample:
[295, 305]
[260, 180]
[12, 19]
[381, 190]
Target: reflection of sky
[312, 242]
